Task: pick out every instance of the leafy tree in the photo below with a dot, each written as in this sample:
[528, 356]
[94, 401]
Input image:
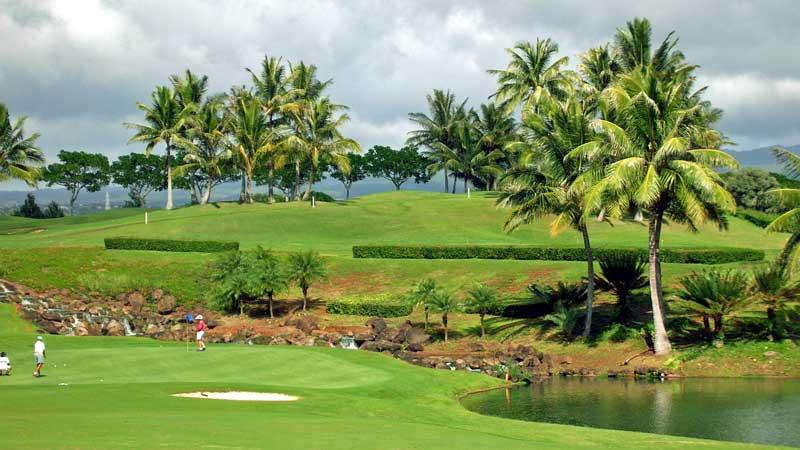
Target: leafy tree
[749, 188]
[165, 122]
[714, 295]
[141, 174]
[788, 222]
[481, 300]
[621, 274]
[78, 171]
[422, 295]
[53, 211]
[29, 208]
[397, 166]
[532, 75]
[664, 149]
[20, 158]
[438, 127]
[444, 303]
[304, 269]
[774, 288]
[269, 276]
[358, 171]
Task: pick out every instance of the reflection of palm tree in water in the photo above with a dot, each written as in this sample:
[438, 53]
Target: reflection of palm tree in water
[662, 408]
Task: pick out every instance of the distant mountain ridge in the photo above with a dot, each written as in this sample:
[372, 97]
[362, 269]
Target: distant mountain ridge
[762, 158]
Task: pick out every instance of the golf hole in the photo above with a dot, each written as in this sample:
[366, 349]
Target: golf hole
[240, 396]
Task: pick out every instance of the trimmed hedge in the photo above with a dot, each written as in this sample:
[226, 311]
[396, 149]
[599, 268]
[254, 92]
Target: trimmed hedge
[374, 306]
[757, 218]
[169, 245]
[668, 255]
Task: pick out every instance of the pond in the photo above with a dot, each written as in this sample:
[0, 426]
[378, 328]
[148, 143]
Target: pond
[746, 410]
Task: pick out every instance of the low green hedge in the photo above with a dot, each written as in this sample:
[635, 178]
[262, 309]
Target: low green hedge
[757, 218]
[169, 245]
[373, 306]
[668, 255]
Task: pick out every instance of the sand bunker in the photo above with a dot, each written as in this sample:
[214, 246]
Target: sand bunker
[241, 396]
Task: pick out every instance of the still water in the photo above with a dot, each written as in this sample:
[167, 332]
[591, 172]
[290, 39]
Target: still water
[745, 410]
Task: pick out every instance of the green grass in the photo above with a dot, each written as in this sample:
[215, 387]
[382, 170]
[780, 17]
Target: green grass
[115, 393]
[68, 252]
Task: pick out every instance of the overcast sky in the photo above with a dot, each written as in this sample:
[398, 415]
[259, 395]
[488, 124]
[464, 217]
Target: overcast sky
[77, 68]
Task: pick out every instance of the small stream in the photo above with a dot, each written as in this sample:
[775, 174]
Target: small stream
[762, 410]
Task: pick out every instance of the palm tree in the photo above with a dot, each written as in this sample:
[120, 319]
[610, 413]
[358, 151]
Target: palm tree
[254, 139]
[438, 126]
[190, 93]
[279, 99]
[269, 276]
[481, 300]
[466, 158]
[545, 181]
[532, 75]
[444, 303]
[20, 158]
[304, 269]
[190, 90]
[205, 146]
[789, 221]
[422, 295]
[599, 67]
[319, 137]
[774, 288]
[164, 123]
[659, 166]
[714, 295]
[496, 127]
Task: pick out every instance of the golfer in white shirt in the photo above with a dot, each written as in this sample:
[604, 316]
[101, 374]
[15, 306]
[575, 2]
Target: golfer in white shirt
[38, 353]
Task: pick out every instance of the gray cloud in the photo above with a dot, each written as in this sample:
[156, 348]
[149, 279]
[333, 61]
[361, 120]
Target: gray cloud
[77, 68]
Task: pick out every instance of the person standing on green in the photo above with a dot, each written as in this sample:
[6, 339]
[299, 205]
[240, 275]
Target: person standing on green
[38, 353]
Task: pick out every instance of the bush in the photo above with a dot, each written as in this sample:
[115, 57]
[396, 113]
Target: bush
[668, 255]
[373, 306]
[757, 218]
[169, 245]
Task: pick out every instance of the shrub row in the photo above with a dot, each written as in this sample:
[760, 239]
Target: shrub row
[169, 245]
[757, 218]
[377, 306]
[668, 255]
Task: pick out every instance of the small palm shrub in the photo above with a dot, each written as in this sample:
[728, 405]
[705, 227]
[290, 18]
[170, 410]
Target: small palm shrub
[305, 269]
[444, 303]
[714, 295]
[621, 274]
[774, 288]
[565, 319]
[481, 300]
[422, 295]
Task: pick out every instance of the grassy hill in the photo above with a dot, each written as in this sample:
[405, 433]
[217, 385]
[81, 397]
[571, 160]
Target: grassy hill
[116, 392]
[68, 252]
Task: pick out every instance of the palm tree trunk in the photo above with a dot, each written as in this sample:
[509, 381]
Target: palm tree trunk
[305, 298]
[427, 313]
[483, 329]
[446, 182]
[587, 328]
[465, 185]
[661, 342]
[243, 192]
[455, 181]
[249, 189]
[269, 300]
[444, 322]
[168, 168]
[270, 184]
[207, 193]
[774, 335]
[706, 326]
[312, 174]
[783, 259]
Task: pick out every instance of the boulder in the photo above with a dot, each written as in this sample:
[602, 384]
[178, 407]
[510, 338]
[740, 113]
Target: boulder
[152, 329]
[157, 294]
[114, 328]
[305, 323]
[166, 305]
[380, 346]
[136, 301]
[377, 325]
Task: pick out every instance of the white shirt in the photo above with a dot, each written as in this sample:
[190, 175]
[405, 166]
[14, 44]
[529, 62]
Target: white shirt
[38, 348]
[5, 363]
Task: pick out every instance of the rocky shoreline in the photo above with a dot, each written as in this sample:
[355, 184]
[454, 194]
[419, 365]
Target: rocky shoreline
[156, 315]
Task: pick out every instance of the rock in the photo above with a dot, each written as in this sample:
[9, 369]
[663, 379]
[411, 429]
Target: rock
[136, 301]
[415, 348]
[476, 347]
[279, 341]
[152, 329]
[305, 323]
[377, 325]
[379, 346]
[157, 294]
[114, 328]
[166, 305]
[770, 354]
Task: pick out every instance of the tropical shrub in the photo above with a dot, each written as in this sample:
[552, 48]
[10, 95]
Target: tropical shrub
[668, 255]
[481, 300]
[757, 218]
[305, 269]
[373, 306]
[621, 274]
[565, 319]
[268, 276]
[714, 295]
[169, 245]
[445, 303]
[565, 294]
[421, 295]
[774, 288]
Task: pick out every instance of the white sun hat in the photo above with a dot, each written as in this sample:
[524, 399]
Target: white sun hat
[199, 317]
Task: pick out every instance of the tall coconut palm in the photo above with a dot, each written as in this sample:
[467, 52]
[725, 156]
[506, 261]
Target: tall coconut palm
[253, 139]
[466, 159]
[788, 222]
[547, 182]
[496, 127]
[599, 67]
[205, 146]
[190, 89]
[165, 121]
[20, 158]
[438, 127]
[279, 99]
[318, 136]
[533, 74]
[658, 167]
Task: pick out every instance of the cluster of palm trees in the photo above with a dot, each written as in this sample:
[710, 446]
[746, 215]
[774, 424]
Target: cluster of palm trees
[284, 118]
[626, 134]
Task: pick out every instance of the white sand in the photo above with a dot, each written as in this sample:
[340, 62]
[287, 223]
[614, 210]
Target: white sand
[240, 396]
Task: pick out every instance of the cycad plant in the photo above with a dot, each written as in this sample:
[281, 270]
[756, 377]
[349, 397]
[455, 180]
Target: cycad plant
[774, 288]
[565, 319]
[565, 294]
[444, 302]
[714, 295]
[481, 300]
[621, 274]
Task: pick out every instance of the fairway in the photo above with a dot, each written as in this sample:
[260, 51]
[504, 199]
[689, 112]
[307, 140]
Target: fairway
[117, 393]
[68, 253]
